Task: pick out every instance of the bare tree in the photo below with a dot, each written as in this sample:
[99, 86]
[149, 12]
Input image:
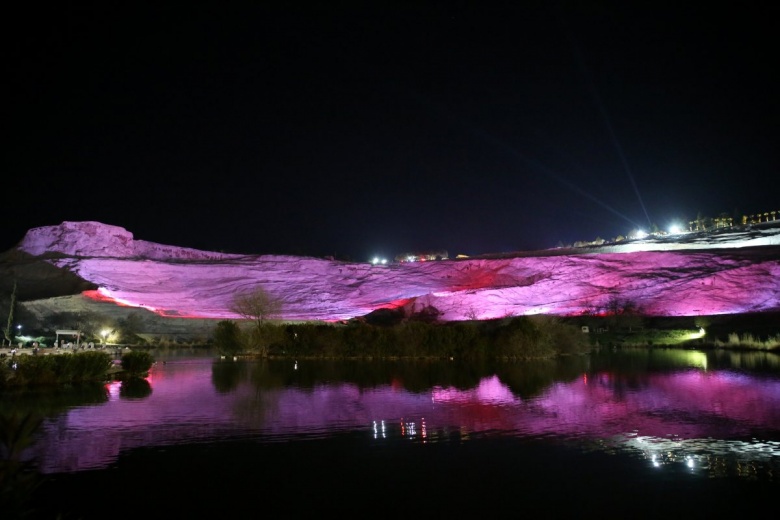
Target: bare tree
[259, 306]
[623, 313]
[256, 305]
[9, 324]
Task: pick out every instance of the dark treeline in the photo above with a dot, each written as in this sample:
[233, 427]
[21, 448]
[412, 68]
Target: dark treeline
[532, 337]
[51, 370]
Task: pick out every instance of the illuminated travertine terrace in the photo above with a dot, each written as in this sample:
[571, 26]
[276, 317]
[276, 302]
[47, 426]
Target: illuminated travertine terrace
[723, 273]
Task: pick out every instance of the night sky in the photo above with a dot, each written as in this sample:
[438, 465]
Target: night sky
[362, 131]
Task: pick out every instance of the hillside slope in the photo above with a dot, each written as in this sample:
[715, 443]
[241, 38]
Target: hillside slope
[90, 266]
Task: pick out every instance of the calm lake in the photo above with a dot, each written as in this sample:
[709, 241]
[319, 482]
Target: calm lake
[626, 433]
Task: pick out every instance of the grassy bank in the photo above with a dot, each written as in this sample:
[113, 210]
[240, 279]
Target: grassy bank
[760, 331]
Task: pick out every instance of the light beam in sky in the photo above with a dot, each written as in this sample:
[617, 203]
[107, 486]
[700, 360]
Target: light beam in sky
[603, 112]
[533, 163]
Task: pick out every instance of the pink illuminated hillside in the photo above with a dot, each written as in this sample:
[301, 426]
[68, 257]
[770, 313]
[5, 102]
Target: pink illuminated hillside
[724, 273]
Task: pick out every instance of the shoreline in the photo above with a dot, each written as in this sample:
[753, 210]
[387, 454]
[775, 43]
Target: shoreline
[9, 352]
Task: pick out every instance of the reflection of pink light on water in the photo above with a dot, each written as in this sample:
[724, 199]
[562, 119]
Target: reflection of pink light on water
[113, 390]
[489, 390]
[184, 407]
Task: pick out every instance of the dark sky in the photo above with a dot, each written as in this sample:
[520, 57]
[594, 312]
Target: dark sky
[355, 131]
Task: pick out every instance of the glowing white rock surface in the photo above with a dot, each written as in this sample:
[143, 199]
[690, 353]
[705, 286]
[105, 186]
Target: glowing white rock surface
[723, 273]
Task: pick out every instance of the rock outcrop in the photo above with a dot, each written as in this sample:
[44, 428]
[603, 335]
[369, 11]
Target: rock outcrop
[90, 265]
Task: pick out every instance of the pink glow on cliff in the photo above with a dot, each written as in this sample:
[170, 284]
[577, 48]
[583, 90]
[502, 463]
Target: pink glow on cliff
[104, 296]
[729, 273]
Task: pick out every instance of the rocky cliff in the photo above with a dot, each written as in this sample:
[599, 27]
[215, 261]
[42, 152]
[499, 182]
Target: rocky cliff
[95, 267]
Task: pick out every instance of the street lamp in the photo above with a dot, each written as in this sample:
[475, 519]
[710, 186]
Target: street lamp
[104, 334]
[18, 335]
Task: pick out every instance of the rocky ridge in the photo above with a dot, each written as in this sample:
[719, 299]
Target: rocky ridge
[95, 267]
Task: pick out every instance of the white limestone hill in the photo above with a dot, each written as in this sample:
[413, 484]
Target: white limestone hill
[108, 271]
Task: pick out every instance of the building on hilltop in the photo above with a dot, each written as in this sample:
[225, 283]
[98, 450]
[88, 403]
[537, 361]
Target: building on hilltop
[758, 218]
[725, 221]
[422, 256]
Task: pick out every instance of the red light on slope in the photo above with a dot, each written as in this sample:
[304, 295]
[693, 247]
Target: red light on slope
[99, 297]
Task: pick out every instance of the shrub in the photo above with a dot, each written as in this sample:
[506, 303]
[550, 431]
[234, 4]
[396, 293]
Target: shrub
[557, 336]
[35, 370]
[18, 478]
[227, 338]
[515, 338]
[748, 340]
[509, 338]
[81, 366]
[263, 336]
[40, 370]
[137, 363]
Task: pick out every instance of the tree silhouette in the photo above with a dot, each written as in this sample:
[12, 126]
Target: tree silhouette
[259, 306]
[256, 305]
[9, 324]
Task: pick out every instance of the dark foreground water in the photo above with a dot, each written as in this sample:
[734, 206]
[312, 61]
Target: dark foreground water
[626, 434]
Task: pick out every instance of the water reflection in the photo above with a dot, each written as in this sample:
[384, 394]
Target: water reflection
[713, 414]
[135, 388]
